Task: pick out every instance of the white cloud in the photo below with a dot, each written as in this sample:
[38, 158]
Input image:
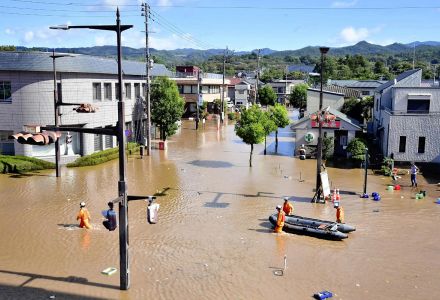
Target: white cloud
[344, 4]
[353, 35]
[29, 36]
[113, 3]
[164, 2]
[9, 31]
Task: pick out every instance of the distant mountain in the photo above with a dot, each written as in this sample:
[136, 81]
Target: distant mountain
[196, 56]
[427, 43]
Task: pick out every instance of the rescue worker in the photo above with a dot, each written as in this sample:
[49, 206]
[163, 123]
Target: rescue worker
[110, 215]
[339, 213]
[83, 216]
[287, 207]
[281, 217]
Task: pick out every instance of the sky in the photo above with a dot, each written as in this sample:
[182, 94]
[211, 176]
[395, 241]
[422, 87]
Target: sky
[240, 25]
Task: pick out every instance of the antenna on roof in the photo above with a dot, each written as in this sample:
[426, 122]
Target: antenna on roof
[414, 54]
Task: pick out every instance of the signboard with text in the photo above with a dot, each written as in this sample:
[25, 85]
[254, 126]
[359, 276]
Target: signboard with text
[327, 124]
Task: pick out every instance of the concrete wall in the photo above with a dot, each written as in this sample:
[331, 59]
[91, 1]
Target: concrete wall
[401, 95]
[333, 100]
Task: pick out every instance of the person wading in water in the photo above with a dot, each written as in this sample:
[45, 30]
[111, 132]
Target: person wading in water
[110, 215]
[84, 216]
[281, 217]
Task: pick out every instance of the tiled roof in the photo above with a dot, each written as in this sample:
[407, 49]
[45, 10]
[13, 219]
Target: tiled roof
[358, 83]
[347, 92]
[300, 68]
[398, 78]
[77, 63]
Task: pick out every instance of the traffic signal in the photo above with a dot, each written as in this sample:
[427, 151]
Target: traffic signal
[40, 139]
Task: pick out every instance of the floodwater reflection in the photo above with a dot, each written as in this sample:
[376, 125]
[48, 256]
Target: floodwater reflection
[197, 251]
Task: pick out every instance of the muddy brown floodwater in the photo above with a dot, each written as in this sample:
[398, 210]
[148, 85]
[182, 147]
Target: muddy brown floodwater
[213, 239]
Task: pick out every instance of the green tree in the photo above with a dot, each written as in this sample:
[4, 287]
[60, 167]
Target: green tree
[166, 106]
[298, 96]
[357, 149]
[266, 95]
[327, 147]
[269, 125]
[250, 129]
[278, 114]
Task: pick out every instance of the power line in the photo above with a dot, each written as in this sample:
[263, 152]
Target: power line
[232, 7]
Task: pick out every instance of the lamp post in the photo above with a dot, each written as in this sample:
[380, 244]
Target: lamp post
[57, 110]
[366, 168]
[317, 196]
[199, 96]
[122, 186]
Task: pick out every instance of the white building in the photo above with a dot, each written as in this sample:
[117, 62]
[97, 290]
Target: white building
[343, 129]
[334, 100]
[26, 98]
[283, 88]
[243, 92]
[406, 119]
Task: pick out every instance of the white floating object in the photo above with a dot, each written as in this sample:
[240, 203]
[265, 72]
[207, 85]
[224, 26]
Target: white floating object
[109, 271]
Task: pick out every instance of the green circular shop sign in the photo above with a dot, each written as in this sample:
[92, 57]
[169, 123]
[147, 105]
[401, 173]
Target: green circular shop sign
[309, 137]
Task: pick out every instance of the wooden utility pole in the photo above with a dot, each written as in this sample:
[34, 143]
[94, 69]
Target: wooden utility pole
[146, 9]
[223, 86]
[258, 75]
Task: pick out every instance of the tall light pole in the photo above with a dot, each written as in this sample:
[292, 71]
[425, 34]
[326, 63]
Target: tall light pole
[146, 9]
[57, 110]
[122, 186]
[317, 196]
[366, 168]
[199, 96]
[223, 86]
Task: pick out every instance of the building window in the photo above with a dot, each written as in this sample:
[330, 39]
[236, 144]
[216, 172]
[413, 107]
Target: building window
[144, 89]
[180, 88]
[5, 91]
[187, 89]
[97, 143]
[59, 92]
[107, 91]
[97, 91]
[117, 91]
[418, 106]
[128, 90]
[137, 90]
[402, 144]
[108, 141]
[365, 93]
[205, 89]
[422, 140]
[214, 89]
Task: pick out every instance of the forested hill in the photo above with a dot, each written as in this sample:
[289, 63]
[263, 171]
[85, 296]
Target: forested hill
[386, 60]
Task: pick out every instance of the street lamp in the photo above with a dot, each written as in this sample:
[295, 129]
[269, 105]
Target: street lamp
[122, 186]
[199, 97]
[317, 196]
[366, 168]
[57, 110]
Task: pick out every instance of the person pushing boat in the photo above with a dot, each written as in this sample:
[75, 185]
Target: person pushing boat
[339, 213]
[281, 217]
[287, 207]
[83, 216]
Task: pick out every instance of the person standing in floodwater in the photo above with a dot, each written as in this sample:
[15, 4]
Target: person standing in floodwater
[84, 216]
[287, 207]
[414, 171]
[281, 217]
[110, 215]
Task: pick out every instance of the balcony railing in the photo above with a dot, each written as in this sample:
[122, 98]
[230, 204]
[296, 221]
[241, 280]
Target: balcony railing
[410, 112]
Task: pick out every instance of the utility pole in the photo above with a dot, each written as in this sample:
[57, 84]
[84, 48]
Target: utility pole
[199, 96]
[414, 55]
[285, 88]
[146, 9]
[258, 76]
[223, 86]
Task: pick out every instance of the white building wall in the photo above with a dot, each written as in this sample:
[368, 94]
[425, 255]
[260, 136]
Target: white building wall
[33, 104]
[333, 100]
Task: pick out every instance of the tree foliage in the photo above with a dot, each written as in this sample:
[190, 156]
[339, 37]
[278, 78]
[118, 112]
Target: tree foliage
[166, 106]
[250, 128]
[357, 149]
[358, 109]
[279, 115]
[266, 95]
[298, 96]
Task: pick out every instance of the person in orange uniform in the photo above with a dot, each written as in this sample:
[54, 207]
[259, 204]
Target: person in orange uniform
[287, 207]
[339, 213]
[281, 217]
[84, 216]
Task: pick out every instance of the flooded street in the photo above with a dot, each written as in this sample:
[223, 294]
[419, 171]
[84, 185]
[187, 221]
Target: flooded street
[213, 239]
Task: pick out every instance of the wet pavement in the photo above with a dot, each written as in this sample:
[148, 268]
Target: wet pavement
[213, 239]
